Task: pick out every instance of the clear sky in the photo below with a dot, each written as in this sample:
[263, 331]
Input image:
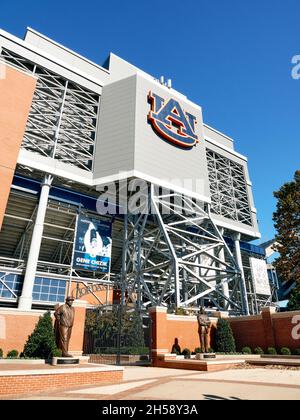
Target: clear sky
[232, 57]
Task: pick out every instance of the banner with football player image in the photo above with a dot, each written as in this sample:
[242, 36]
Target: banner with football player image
[93, 245]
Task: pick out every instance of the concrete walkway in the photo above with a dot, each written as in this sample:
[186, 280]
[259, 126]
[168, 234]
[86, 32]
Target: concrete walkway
[142, 383]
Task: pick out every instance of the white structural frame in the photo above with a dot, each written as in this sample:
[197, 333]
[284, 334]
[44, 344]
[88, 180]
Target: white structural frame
[179, 258]
[164, 261]
[62, 122]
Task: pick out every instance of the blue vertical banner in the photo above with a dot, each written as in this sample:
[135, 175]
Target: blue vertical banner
[93, 244]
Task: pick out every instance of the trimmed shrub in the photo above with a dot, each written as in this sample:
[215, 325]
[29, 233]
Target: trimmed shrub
[297, 352]
[271, 351]
[186, 353]
[127, 351]
[259, 351]
[1, 353]
[13, 354]
[285, 351]
[225, 342]
[56, 353]
[41, 343]
[198, 350]
[138, 351]
[246, 350]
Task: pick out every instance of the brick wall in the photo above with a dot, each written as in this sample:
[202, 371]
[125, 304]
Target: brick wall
[268, 329]
[26, 384]
[166, 328]
[16, 93]
[16, 326]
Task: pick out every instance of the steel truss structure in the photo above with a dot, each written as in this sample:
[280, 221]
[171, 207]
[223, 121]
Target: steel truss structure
[175, 257]
[171, 257]
[228, 188]
[62, 123]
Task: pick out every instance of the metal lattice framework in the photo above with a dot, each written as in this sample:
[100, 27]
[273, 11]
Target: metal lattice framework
[62, 123]
[228, 189]
[175, 258]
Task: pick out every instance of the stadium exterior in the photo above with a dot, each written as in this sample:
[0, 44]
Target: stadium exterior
[71, 128]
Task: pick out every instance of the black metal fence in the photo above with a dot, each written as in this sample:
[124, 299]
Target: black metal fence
[118, 335]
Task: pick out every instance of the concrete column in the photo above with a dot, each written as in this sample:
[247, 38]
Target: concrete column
[25, 300]
[238, 255]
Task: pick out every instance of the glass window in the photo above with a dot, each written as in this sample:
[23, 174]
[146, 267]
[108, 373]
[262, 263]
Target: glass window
[49, 290]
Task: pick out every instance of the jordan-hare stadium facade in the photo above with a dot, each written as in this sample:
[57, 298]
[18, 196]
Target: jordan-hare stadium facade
[113, 187]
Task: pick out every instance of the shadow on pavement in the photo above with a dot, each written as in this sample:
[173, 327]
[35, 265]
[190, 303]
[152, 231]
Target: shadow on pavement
[218, 398]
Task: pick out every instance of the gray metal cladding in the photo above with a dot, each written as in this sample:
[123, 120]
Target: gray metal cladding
[127, 142]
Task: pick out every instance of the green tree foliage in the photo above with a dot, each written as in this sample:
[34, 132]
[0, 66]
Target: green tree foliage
[225, 342]
[41, 343]
[285, 351]
[287, 224]
[132, 330]
[246, 350]
[294, 303]
[13, 354]
[108, 325]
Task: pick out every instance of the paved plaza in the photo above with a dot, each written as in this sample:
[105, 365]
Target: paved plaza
[145, 383]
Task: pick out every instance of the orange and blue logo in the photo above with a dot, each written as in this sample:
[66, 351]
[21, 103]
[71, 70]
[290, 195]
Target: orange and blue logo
[170, 121]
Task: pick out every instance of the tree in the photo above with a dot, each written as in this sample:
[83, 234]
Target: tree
[225, 342]
[287, 224]
[122, 322]
[41, 343]
[133, 330]
[294, 303]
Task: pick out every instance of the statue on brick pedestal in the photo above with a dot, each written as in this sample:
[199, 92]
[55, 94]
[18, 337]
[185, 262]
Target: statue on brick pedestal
[64, 321]
[204, 325]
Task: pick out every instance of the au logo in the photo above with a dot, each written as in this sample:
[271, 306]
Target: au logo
[171, 122]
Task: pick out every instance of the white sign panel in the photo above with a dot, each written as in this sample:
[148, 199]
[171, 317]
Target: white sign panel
[260, 277]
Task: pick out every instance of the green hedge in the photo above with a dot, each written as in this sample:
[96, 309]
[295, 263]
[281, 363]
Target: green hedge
[246, 350]
[285, 351]
[186, 353]
[131, 351]
[13, 354]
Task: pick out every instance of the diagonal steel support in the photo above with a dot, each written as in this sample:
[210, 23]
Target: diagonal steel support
[176, 257]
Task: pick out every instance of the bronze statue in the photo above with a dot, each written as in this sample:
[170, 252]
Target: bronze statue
[204, 325]
[64, 320]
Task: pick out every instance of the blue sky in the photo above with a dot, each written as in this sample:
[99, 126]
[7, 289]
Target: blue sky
[232, 57]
